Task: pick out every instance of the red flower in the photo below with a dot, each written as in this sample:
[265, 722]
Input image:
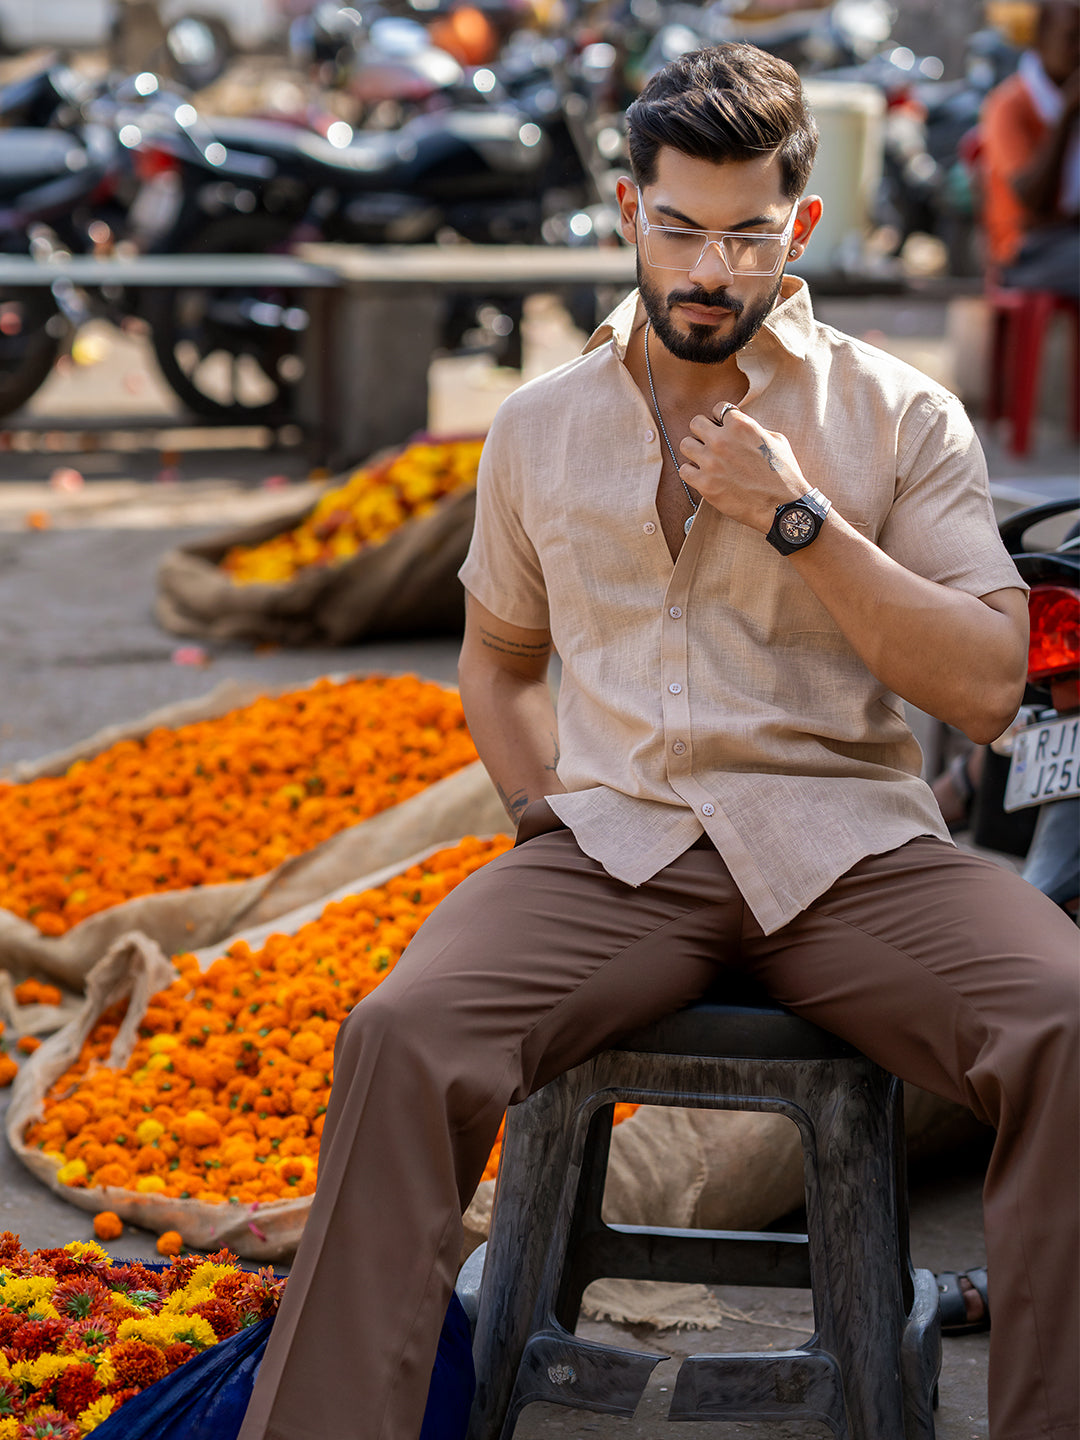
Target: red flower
[178, 1353]
[137, 1364]
[92, 1334]
[49, 1425]
[34, 1337]
[10, 1320]
[222, 1315]
[81, 1297]
[77, 1388]
[11, 1252]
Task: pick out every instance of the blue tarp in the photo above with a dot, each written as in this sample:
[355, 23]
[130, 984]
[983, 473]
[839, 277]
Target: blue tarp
[205, 1398]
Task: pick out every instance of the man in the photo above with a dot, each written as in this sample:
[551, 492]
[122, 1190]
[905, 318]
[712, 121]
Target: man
[729, 778]
[1031, 159]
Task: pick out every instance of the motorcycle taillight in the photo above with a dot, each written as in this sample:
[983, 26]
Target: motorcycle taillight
[150, 162]
[1054, 648]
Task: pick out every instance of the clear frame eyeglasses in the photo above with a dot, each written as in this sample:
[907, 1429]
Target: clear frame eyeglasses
[668, 247]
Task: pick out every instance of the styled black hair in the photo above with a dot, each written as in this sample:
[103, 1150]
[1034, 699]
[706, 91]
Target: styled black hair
[730, 102]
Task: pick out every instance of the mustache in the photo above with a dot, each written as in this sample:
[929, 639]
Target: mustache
[715, 300]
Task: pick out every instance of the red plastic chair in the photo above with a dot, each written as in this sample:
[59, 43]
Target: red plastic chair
[1020, 321]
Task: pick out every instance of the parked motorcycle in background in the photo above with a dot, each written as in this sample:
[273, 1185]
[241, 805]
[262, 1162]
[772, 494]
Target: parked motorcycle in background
[1028, 803]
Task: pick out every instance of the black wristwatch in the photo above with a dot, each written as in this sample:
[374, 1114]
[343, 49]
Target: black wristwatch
[798, 523]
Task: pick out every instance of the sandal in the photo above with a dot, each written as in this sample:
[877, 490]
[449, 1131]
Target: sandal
[952, 1306]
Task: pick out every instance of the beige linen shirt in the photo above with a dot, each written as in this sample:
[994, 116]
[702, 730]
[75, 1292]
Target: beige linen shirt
[716, 692]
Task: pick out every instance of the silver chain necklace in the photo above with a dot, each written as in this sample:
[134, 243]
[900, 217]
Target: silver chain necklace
[663, 432]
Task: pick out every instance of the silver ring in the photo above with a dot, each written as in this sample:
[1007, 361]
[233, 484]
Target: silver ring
[728, 405]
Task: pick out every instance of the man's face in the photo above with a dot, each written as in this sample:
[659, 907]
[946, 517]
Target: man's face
[708, 313]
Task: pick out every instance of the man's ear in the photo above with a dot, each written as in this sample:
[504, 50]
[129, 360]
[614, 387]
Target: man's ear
[806, 219]
[626, 195]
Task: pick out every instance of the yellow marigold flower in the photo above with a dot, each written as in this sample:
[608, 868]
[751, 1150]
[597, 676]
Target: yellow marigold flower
[21, 1292]
[150, 1184]
[160, 1061]
[104, 1369]
[207, 1275]
[86, 1250]
[73, 1170]
[90, 1418]
[149, 1130]
[181, 1301]
[197, 1331]
[151, 1329]
[34, 1373]
[158, 1044]
[9, 1428]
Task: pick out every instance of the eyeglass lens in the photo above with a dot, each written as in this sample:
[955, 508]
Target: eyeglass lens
[670, 249]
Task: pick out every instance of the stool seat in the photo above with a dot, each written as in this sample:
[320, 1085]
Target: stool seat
[870, 1369]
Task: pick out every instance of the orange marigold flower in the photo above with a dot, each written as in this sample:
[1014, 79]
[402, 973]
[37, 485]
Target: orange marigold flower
[170, 1242]
[217, 800]
[8, 1070]
[37, 992]
[137, 1364]
[77, 1388]
[27, 1044]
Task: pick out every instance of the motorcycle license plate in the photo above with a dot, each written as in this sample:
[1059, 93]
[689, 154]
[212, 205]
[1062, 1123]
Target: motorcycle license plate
[1045, 764]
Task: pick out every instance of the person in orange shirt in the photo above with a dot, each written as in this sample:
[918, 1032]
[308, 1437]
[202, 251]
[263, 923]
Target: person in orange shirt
[1031, 160]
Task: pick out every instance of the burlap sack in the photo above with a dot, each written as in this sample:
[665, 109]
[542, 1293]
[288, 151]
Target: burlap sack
[462, 803]
[407, 585]
[137, 967]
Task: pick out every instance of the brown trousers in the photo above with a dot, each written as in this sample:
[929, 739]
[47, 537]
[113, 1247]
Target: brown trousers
[944, 968]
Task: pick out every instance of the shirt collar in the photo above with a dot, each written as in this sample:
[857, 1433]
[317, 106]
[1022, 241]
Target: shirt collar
[789, 323]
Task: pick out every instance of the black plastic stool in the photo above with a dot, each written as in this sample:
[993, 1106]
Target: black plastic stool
[870, 1369]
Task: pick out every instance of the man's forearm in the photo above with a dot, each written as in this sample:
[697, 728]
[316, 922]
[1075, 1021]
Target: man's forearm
[944, 650]
[513, 724]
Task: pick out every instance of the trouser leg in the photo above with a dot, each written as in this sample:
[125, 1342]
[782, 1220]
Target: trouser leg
[960, 977]
[536, 962]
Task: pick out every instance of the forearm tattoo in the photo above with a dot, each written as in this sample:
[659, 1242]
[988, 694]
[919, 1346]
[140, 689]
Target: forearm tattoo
[553, 767]
[769, 456]
[515, 804]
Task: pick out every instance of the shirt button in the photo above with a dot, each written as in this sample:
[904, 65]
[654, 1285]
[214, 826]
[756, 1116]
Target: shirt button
[675, 612]
[708, 809]
[649, 528]
[679, 747]
[650, 434]
[675, 688]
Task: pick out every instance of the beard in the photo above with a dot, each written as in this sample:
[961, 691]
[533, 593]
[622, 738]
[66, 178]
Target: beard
[702, 345]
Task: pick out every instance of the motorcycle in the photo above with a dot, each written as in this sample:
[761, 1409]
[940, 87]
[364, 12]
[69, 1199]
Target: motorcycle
[60, 194]
[1028, 802]
[485, 174]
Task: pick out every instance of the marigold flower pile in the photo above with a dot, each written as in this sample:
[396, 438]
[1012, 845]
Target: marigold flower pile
[224, 1096]
[372, 503]
[222, 799]
[81, 1333]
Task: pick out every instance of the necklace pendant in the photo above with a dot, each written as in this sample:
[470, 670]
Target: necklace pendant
[690, 521]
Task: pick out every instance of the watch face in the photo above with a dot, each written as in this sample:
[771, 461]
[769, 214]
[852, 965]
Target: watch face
[797, 526]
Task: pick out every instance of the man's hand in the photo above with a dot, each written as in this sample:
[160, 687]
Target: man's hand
[503, 677]
[957, 657]
[740, 468]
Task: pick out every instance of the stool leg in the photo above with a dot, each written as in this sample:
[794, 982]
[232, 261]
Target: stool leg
[854, 1244]
[528, 1224]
